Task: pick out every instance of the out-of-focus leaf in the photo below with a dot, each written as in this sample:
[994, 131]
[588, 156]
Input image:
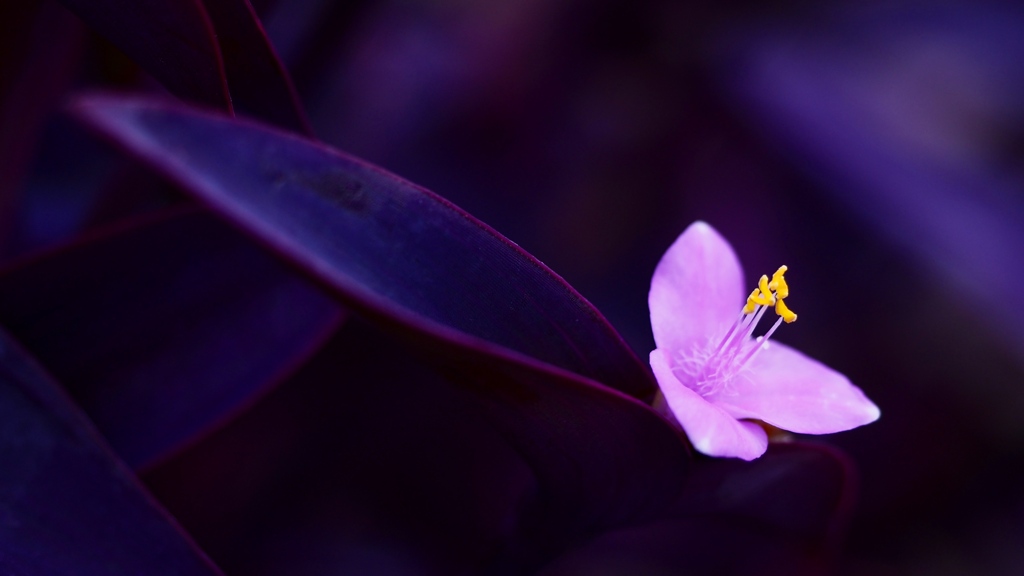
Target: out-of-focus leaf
[379, 464]
[67, 505]
[161, 330]
[39, 50]
[909, 115]
[707, 545]
[438, 468]
[602, 459]
[779, 514]
[802, 491]
[397, 252]
[260, 86]
[173, 40]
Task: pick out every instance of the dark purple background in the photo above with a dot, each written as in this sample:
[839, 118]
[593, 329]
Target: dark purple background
[874, 150]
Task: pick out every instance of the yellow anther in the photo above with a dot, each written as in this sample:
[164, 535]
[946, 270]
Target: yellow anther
[758, 298]
[766, 292]
[764, 298]
[782, 310]
[778, 283]
[751, 302]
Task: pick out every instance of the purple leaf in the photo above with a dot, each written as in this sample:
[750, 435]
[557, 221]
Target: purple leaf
[493, 318]
[393, 250]
[259, 84]
[803, 491]
[602, 459]
[161, 330]
[173, 40]
[542, 464]
[706, 545]
[780, 514]
[69, 506]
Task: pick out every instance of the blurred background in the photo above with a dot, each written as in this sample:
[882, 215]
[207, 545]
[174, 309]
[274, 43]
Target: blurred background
[873, 147]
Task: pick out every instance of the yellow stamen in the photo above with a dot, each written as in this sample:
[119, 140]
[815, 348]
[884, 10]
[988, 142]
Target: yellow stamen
[751, 302]
[758, 298]
[766, 291]
[778, 283]
[737, 348]
[782, 310]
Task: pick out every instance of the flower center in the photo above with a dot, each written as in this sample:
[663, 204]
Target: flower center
[711, 366]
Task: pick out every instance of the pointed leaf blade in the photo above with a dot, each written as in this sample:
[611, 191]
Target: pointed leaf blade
[392, 249]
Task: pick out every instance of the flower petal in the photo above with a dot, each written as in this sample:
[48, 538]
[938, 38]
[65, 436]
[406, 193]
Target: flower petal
[794, 392]
[697, 288]
[712, 430]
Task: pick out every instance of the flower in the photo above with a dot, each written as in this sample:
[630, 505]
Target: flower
[715, 376]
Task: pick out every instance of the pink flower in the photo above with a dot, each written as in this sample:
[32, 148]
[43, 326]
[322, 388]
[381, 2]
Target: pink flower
[715, 376]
